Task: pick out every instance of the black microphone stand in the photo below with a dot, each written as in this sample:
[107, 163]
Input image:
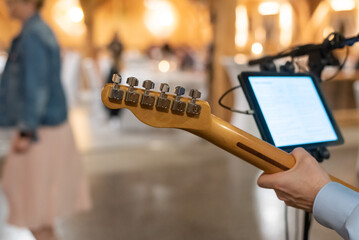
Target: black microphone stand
[320, 55]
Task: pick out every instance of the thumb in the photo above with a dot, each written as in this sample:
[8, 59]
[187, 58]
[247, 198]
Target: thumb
[268, 180]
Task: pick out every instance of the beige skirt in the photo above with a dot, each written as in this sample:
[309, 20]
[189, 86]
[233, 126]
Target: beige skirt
[47, 181]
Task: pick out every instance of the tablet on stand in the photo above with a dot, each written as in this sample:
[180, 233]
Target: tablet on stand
[291, 112]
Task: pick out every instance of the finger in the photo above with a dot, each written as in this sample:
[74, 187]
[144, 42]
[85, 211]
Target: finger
[291, 204]
[17, 149]
[299, 154]
[281, 196]
[24, 146]
[267, 180]
[21, 146]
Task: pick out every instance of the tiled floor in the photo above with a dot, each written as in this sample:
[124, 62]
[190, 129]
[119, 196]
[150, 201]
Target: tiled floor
[169, 185]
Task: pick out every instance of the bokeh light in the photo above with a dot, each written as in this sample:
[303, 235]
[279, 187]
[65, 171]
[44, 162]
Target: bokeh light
[268, 8]
[342, 5]
[257, 48]
[160, 18]
[76, 14]
[164, 66]
[69, 16]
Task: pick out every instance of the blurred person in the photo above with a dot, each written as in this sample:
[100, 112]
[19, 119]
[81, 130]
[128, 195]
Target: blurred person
[154, 52]
[186, 56]
[307, 186]
[167, 51]
[116, 49]
[42, 177]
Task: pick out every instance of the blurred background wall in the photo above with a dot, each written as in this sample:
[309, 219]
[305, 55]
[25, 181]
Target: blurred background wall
[208, 30]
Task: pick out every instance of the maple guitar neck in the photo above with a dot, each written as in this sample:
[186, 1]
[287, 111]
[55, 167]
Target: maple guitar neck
[152, 108]
[249, 148]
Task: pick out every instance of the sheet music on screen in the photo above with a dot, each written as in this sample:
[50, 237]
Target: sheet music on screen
[292, 110]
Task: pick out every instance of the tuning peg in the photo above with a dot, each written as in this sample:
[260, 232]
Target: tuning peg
[132, 81]
[179, 91]
[194, 94]
[178, 107]
[147, 101]
[116, 79]
[163, 104]
[164, 87]
[193, 109]
[116, 94]
[132, 97]
[148, 85]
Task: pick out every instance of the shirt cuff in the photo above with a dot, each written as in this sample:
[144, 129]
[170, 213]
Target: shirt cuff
[333, 205]
[31, 132]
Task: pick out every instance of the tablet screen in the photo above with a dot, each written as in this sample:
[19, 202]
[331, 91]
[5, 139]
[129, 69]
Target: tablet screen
[293, 110]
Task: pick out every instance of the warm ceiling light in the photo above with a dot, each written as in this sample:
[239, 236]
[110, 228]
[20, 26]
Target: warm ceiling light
[257, 48]
[286, 24]
[268, 8]
[160, 18]
[342, 5]
[75, 14]
[69, 16]
[241, 26]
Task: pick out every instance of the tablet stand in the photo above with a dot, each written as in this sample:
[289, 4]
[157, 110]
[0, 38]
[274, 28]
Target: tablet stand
[319, 154]
[316, 65]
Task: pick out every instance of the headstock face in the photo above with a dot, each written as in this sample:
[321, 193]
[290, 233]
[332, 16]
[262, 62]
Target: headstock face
[157, 117]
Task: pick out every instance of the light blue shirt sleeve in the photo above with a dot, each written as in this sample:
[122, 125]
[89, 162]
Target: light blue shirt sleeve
[337, 207]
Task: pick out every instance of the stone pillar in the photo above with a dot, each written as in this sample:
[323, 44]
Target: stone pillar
[89, 8]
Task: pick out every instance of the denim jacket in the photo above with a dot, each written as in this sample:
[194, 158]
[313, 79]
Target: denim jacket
[31, 94]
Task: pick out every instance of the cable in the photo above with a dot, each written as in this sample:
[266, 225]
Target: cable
[248, 112]
[340, 67]
[286, 222]
[307, 223]
[296, 233]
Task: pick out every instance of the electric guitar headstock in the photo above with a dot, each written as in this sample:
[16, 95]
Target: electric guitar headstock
[158, 109]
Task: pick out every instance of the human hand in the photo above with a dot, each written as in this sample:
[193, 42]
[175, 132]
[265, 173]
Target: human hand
[21, 144]
[298, 186]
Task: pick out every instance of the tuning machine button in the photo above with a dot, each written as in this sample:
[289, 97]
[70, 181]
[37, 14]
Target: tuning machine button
[116, 94]
[193, 109]
[132, 97]
[148, 101]
[178, 107]
[163, 103]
